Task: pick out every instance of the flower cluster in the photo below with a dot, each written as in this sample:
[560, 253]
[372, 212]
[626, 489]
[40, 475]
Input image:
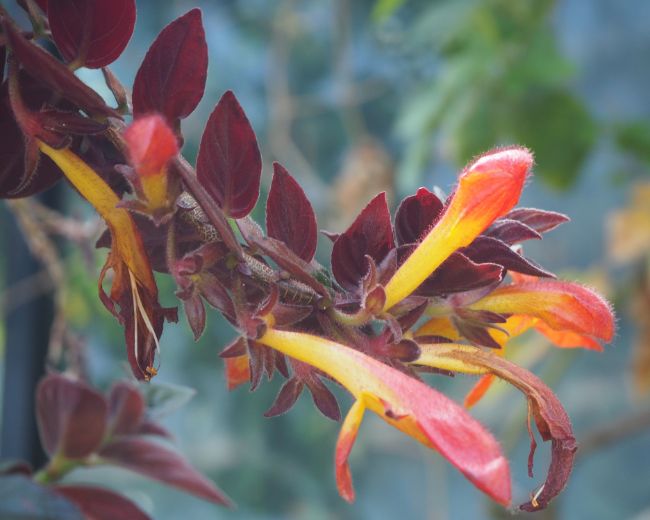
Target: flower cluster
[440, 287]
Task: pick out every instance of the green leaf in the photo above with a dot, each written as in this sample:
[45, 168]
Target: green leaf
[634, 138]
[385, 8]
[558, 127]
[23, 499]
[164, 398]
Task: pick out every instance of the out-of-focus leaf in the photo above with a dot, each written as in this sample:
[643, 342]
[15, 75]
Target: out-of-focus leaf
[634, 138]
[12, 467]
[157, 462]
[229, 164]
[385, 8]
[71, 416]
[370, 234]
[101, 504]
[125, 409]
[92, 33]
[290, 216]
[23, 499]
[171, 79]
[541, 121]
[164, 398]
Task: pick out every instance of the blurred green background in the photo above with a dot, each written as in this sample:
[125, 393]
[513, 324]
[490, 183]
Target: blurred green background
[358, 97]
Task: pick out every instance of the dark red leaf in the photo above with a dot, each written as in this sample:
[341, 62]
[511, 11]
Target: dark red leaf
[216, 295]
[475, 333]
[15, 467]
[125, 409]
[286, 398]
[235, 349]
[323, 398]
[71, 416]
[290, 216]
[91, 33]
[487, 249]
[370, 234]
[538, 219]
[171, 79]
[406, 350]
[45, 69]
[195, 313]
[157, 462]
[229, 164]
[511, 231]
[415, 215]
[101, 504]
[459, 274]
[148, 427]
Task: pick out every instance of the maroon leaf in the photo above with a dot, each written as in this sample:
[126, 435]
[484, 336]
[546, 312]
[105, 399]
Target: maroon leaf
[125, 409]
[511, 231]
[195, 313]
[101, 504]
[157, 462]
[323, 398]
[171, 79]
[290, 216]
[415, 215]
[486, 249]
[229, 164]
[44, 68]
[370, 234]
[91, 33]
[459, 274]
[71, 417]
[538, 219]
[286, 398]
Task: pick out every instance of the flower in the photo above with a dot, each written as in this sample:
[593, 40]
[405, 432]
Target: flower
[133, 298]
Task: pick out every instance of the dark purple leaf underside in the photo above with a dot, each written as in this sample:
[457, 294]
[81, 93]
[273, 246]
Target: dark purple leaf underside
[157, 462]
[229, 164]
[538, 219]
[171, 79]
[415, 215]
[458, 274]
[71, 417]
[487, 249]
[511, 231]
[101, 504]
[370, 234]
[290, 216]
[94, 33]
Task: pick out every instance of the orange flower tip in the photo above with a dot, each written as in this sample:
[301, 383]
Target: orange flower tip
[515, 160]
[150, 143]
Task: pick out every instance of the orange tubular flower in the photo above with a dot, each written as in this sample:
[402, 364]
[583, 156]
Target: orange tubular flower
[487, 189]
[405, 403]
[133, 289]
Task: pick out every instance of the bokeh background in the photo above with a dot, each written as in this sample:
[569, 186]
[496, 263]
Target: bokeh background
[354, 97]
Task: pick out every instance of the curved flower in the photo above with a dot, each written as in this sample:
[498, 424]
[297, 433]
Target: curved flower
[133, 289]
[403, 402]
